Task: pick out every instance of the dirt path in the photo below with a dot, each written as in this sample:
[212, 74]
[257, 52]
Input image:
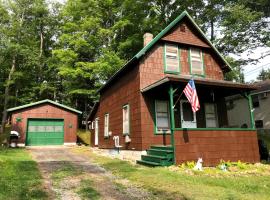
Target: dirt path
[70, 176]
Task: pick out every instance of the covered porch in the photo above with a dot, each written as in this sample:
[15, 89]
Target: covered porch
[210, 132]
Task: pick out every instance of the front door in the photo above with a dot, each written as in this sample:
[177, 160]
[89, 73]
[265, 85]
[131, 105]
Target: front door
[188, 118]
[96, 131]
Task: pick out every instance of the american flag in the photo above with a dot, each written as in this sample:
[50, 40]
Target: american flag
[191, 94]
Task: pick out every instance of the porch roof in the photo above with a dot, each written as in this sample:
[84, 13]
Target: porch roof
[236, 87]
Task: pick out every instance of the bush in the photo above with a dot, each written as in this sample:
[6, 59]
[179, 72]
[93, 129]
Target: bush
[84, 136]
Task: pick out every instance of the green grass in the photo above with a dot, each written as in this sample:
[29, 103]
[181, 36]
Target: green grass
[84, 136]
[168, 184]
[19, 176]
[65, 171]
[86, 191]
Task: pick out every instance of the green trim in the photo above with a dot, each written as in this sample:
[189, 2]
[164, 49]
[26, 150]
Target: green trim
[215, 129]
[128, 107]
[252, 122]
[156, 132]
[165, 60]
[145, 49]
[172, 120]
[190, 63]
[42, 102]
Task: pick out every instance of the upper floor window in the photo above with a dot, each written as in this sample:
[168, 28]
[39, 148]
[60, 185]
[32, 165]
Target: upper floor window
[196, 62]
[171, 58]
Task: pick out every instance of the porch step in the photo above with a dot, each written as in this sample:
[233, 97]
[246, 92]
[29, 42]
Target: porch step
[162, 147]
[159, 152]
[162, 160]
[148, 163]
[158, 155]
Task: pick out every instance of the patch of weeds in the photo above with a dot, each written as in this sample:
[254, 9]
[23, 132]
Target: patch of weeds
[188, 165]
[86, 190]
[65, 171]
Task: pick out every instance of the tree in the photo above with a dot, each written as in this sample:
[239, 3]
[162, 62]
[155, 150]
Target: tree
[264, 75]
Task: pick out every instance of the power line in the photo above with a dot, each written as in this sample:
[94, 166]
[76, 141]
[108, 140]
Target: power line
[251, 72]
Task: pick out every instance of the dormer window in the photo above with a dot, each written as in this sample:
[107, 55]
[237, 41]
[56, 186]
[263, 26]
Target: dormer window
[171, 58]
[196, 62]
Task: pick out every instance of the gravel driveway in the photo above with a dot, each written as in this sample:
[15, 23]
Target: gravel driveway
[51, 160]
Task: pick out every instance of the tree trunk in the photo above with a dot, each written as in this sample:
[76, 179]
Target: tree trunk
[6, 95]
[212, 31]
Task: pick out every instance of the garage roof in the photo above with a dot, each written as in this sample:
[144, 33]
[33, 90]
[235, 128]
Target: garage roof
[42, 102]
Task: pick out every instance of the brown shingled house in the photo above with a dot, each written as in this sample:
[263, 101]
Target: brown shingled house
[139, 103]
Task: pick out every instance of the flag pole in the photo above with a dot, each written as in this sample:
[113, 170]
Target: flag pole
[178, 99]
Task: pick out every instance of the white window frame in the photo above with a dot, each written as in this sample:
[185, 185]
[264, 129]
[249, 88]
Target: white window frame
[126, 132]
[196, 58]
[106, 124]
[216, 116]
[96, 130]
[162, 129]
[170, 54]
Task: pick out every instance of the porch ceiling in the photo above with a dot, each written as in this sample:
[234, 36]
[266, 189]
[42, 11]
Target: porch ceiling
[225, 87]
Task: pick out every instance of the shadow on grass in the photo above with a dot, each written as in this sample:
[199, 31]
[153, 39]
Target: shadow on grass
[86, 191]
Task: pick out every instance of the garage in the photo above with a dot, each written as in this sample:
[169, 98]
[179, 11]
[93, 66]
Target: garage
[45, 123]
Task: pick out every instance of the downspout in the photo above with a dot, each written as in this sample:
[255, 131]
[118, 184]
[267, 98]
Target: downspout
[172, 122]
[251, 112]
[248, 97]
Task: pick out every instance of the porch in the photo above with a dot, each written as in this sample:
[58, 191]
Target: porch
[209, 133]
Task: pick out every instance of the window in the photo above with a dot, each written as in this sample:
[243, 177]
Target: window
[106, 125]
[255, 101]
[162, 115]
[96, 131]
[196, 62]
[210, 115]
[126, 119]
[171, 58]
[259, 123]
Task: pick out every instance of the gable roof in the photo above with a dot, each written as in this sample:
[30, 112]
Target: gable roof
[42, 102]
[146, 48]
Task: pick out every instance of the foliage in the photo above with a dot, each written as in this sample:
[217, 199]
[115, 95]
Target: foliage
[188, 165]
[264, 75]
[20, 177]
[84, 136]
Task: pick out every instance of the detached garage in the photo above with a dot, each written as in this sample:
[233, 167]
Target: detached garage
[45, 123]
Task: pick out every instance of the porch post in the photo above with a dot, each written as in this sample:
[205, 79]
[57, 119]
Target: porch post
[172, 123]
[250, 111]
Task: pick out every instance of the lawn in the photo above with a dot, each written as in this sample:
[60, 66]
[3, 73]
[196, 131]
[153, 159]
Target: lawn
[178, 183]
[19, 176]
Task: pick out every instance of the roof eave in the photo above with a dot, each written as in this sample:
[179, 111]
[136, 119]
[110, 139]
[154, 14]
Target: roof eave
[42, 102]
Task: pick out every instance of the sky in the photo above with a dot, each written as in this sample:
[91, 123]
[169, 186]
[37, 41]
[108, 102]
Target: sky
[252, 71]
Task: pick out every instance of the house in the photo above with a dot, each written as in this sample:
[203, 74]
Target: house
[261, 110]
[45, 123]
[260, 103]
[143, 105]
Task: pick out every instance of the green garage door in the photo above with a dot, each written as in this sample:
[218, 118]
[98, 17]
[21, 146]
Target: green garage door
[45, 132]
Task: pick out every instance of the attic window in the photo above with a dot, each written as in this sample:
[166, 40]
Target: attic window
[196, 62]
[182, 28]
[171, 58]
